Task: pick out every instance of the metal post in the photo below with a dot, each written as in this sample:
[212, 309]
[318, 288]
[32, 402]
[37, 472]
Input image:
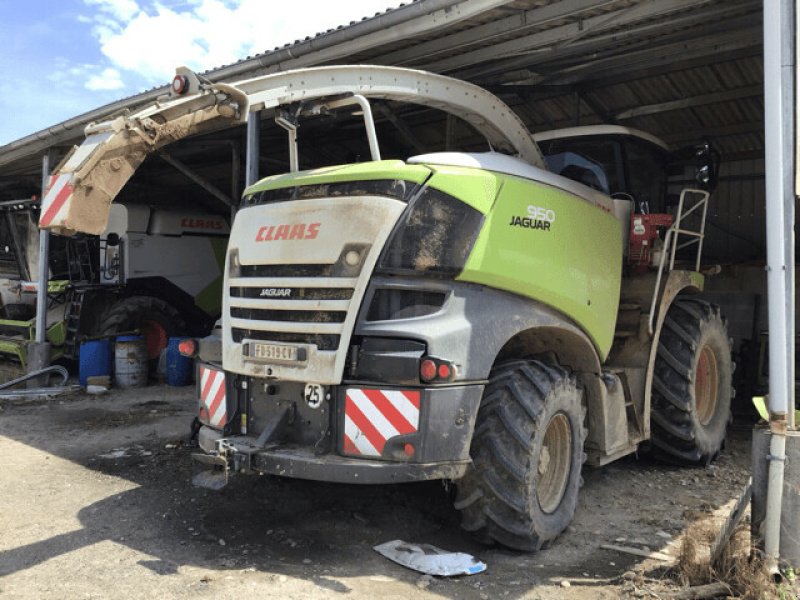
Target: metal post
[38, 355]
[294, 157]
[236, 166]
[779, 160]
[253, 148]
[449, 129]
[44, 270]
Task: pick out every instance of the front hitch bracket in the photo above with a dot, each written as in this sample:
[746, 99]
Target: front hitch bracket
[210, 471]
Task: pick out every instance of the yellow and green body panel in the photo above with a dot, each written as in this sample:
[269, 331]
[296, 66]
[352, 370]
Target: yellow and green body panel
[537, 241]
[368, 171]
[549, 245]
[16, 347]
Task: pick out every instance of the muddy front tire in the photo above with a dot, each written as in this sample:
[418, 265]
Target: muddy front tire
[691, 384]
[527, 452]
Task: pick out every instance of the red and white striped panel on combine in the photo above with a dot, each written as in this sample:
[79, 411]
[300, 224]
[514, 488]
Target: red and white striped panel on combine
[213, 407]
[371, 417]
[58, 191]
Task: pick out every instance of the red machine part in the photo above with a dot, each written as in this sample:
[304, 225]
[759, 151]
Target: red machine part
[643, 235]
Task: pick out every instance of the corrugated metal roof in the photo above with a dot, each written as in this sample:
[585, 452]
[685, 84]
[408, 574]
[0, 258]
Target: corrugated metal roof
[615, 55]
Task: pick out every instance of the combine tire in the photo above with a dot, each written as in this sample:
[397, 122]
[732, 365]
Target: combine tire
[691, 384]
[155, 320]
[527, 452]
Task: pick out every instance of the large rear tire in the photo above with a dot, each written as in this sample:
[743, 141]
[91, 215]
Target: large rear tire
[527, 452]
[691, 384]
[156, 321]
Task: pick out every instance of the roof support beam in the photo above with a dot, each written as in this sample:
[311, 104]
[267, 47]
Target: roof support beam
[605, 79]
[532, 92]
[404, 129]
[657, 56]
[595, 107]
[201, 181]
[636, 38]
[726, 96]
[483, 33]
[695, 134]
[544, 41]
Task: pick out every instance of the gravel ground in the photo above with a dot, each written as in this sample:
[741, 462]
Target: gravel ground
[95, 502]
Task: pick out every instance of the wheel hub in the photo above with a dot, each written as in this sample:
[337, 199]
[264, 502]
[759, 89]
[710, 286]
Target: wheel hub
[706, 385]
[554, 463]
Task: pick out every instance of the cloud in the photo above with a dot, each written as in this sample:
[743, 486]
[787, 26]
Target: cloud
[150, 38]
[121, 10]
[108, 79]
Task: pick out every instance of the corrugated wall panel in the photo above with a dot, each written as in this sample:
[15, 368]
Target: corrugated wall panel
[736, 221]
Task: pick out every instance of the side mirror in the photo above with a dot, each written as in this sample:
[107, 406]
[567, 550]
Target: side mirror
[707, 166]
[706, 163]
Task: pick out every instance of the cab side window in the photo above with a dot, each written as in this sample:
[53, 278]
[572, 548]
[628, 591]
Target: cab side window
[594, 163]
[646, 176]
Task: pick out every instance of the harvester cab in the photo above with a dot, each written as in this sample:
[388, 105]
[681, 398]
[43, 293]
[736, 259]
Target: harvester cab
[465, 316]
[633, 167]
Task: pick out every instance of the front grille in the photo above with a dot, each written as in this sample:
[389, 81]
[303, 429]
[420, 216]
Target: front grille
[303, 303]
[287, 270]
[298, 316]
[296, 293]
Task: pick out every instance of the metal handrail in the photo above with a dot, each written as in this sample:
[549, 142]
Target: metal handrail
[703, 202]
[671, 244]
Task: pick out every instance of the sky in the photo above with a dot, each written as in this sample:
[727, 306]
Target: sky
[61, 58]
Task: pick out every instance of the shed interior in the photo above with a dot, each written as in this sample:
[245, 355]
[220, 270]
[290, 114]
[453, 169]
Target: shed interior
[683, 70]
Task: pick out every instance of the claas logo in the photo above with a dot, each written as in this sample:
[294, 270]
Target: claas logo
[289, 231]
[188, 223]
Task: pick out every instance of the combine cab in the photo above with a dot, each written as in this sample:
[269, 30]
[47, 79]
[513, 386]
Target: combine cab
[153, 272]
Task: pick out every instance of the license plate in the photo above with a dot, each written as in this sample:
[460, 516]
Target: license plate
[274, 352]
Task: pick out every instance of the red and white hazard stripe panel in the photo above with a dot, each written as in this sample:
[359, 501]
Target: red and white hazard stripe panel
[213, 407]
[371, 417]
[55, 198]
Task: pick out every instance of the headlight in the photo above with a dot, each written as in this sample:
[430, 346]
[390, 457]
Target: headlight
[434, 236]
[234, 267]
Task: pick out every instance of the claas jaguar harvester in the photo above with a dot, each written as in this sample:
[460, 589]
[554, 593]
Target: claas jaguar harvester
[470, 317]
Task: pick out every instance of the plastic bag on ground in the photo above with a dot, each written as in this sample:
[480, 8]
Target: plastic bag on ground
[430, 559]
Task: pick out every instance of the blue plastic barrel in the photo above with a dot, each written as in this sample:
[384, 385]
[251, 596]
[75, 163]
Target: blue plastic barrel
[95, 359]
[130, 361]
[179, 367]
